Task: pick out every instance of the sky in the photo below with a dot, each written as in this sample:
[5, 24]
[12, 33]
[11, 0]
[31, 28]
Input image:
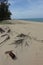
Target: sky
[26, 9]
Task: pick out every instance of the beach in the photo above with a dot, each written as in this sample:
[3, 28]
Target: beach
[29, 51]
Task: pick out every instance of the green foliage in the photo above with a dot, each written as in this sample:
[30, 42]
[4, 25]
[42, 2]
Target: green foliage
[4, 10]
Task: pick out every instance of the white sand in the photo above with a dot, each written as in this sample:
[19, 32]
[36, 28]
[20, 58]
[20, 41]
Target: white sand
[31, 55]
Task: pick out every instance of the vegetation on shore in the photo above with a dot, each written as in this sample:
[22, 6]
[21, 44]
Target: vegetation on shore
[5, 13]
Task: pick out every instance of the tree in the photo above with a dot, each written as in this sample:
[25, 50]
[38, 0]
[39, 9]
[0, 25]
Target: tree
[5, 14]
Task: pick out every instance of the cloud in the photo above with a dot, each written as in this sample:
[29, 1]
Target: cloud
[26, 8]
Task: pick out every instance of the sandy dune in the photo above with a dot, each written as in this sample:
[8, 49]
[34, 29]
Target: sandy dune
[26, 41]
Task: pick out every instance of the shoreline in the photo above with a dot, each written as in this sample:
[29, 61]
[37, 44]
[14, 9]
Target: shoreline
[23, 21]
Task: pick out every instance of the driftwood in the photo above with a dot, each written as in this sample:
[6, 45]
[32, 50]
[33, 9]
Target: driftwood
[1, 30]
[11, 54]
[7, 38]
[8, 31]
[26, 44]
[22, 35]
[4, 35]
[18, 42]
[21, 40]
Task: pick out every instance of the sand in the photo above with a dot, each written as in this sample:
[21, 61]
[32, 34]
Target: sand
[31, 54]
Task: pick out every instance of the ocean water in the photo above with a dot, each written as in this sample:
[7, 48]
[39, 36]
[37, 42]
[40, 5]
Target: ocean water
[33, 19]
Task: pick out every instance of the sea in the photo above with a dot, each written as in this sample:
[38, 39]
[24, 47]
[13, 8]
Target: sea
[33, 19]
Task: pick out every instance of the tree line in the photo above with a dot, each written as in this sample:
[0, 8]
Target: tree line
[5, 13]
